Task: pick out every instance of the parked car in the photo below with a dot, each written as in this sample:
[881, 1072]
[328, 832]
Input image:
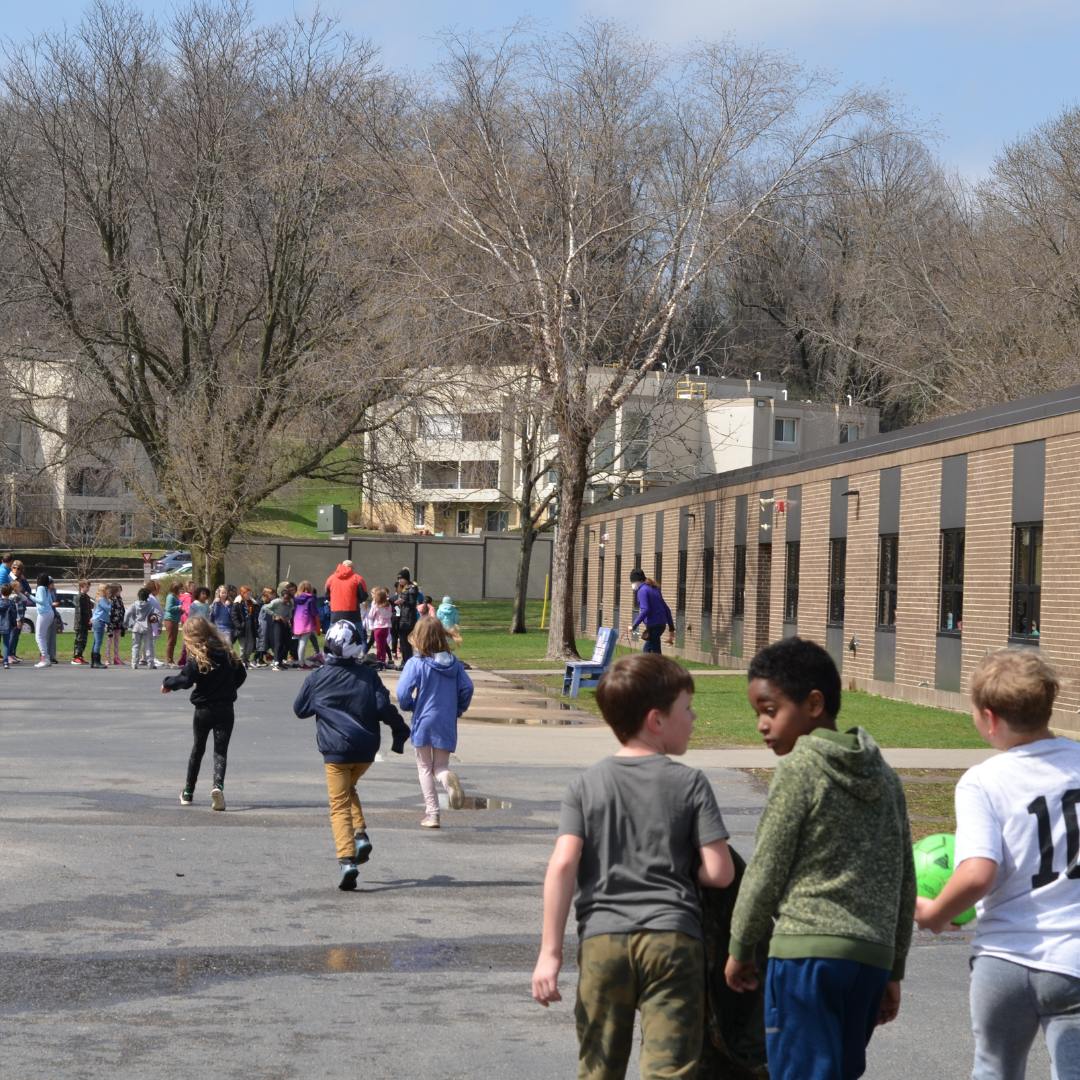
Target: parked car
[171, 562]
[65, 609]
[182, 570]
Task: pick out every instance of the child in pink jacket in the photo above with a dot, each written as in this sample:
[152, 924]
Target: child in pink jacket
[305, 627]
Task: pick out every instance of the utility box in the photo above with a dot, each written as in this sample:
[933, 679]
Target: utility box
[332, 519]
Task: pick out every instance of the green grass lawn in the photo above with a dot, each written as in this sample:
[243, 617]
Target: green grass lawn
[726, 719]
[292, 512]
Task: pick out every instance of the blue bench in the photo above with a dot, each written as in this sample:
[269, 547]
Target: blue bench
[581, 673]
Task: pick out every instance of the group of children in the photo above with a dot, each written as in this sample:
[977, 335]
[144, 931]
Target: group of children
[349, 702]
[831, 887]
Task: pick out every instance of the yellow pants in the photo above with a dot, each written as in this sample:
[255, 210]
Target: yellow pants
[346, 814]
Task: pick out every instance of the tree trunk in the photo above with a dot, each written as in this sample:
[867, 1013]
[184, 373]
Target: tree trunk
[208, 562]
[562, 639]
[521, 586]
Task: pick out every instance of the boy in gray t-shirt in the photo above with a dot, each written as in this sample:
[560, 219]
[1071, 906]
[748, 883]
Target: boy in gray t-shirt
[630, 832]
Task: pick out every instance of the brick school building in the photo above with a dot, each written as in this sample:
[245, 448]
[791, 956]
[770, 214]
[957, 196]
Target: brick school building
[908, 555]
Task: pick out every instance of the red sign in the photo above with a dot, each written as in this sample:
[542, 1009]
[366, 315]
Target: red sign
[147, 556]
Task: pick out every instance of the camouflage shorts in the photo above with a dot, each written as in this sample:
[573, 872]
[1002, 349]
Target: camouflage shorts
[662, 973]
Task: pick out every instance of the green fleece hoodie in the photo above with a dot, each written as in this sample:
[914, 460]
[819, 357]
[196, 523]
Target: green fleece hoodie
[832, 859]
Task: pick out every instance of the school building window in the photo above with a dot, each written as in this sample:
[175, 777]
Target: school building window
[637, 566]
[497, 520]
[1027, 580]
[784, 431]
[738, 606]
[886, 606]
[418, 512]
[127, 526]
[952, 580]
[707, 558]
[680, 583]
[837, 578]
[791, 582]
[584, 591]
[658, 567]
[618, 580]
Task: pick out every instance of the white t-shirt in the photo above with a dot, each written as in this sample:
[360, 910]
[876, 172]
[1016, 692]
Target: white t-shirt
[1020, 809]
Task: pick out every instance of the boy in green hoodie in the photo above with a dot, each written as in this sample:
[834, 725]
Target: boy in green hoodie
[833, 864]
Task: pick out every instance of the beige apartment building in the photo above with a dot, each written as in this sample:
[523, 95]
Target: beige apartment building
[908, 555]
[467, 470]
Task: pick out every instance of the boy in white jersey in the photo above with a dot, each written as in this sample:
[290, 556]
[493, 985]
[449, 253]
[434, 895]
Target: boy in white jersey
[1017, 847]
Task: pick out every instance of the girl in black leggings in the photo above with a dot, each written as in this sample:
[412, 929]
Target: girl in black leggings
[215, 675]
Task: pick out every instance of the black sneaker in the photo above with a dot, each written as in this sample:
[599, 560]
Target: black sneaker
[185, 798]
[347, 880]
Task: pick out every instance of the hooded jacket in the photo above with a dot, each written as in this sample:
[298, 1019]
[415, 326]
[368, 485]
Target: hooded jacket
[436, 690]
[346, 588]
[448, 614]
[305, 615]
[832, 858]
[348, 700]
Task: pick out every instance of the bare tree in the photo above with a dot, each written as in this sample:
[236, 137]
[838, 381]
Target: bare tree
[595, 182]
[195, 255]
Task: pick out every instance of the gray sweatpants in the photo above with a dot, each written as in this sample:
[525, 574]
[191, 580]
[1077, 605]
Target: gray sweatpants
[1008, 1004]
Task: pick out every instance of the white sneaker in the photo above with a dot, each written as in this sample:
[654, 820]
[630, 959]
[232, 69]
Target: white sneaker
[453, 789]
[217, 799]
[43, 663]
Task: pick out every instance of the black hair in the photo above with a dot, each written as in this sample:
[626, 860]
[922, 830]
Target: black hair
[44, 579]
[797, 666]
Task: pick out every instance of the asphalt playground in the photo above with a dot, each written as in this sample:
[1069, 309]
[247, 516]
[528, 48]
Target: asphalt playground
[141, 939]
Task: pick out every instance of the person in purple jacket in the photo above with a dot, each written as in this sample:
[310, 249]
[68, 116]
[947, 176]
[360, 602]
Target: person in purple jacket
[654, 614]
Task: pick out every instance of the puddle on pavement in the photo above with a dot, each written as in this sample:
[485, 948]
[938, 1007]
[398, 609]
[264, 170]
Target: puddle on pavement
[62, 982]
[556, 721]
[476, 803]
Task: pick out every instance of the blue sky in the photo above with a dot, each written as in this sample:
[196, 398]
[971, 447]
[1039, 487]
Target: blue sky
[984, 70]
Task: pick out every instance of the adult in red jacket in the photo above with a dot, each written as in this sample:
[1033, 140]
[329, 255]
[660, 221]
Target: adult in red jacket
[347, 591]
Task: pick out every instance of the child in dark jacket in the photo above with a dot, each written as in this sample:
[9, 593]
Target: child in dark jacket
[348, 700]
[83, 615]
[215, 674]
[435, 689]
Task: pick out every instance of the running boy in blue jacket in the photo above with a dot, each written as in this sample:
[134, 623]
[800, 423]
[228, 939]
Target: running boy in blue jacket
[348, 700]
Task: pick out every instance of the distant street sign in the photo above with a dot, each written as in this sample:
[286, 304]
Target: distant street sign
[147, 566]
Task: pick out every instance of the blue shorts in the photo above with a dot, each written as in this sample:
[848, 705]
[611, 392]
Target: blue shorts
[819, 1016]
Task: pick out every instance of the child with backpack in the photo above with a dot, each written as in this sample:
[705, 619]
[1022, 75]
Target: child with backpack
[348, 701]
[832, 865]
[632, 829]
[436, 690]
[213, 674]
[1016, 860]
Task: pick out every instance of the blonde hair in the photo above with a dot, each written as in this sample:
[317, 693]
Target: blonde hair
[1018, 685]
[429, 637]
[268, 594]
[102, 590]
[305, 586]
[380, 596]
[200, 636]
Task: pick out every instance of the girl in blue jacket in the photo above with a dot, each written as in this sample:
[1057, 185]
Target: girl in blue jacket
[435, 689]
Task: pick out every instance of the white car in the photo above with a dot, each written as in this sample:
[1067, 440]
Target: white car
[180, 571]
[65, 608]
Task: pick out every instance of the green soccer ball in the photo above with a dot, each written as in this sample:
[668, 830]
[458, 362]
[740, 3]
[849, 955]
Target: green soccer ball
[935, 859]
